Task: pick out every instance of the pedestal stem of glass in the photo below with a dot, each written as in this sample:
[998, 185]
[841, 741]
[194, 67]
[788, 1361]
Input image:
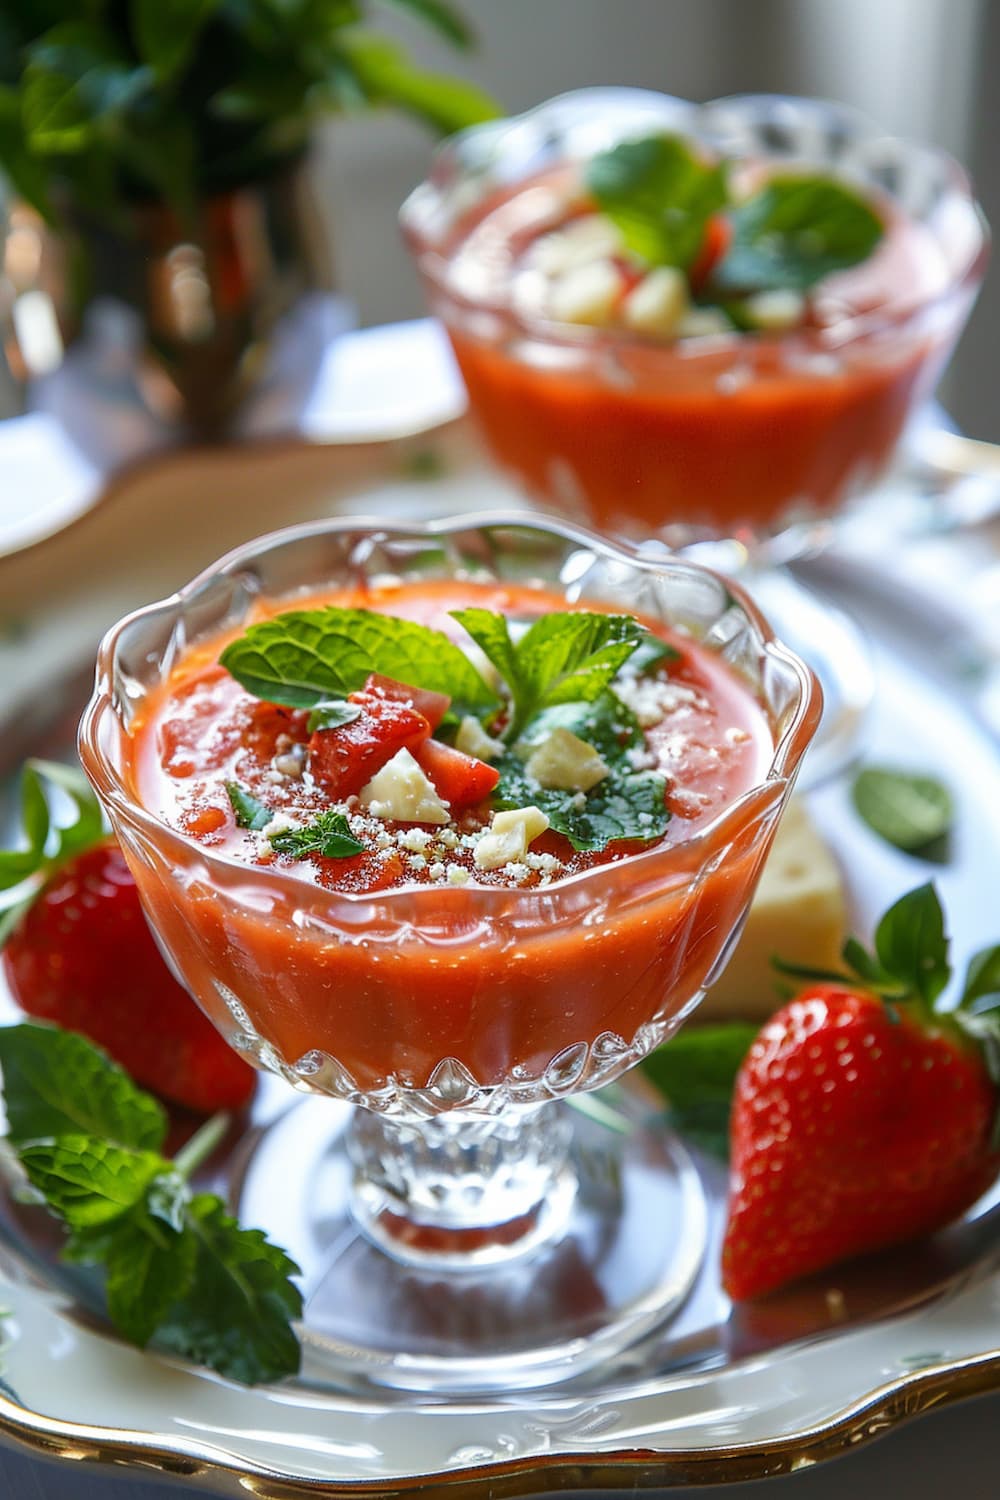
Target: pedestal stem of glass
[459, 1189]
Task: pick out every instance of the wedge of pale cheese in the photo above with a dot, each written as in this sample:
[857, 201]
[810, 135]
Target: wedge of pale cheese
[798, 913]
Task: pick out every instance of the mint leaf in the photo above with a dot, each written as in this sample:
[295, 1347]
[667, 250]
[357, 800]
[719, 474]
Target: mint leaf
[696, 1071]
[307, 657]
[56, 1083]
[249, 812]
[568, 657]
[87, 1181]
[606, 724]
[911, 812]
[329, 836]
[794, 231]
[660, 193]
[235, 1314]
[332, 714]
[911, 945]
[149, 1268]
[627, 805]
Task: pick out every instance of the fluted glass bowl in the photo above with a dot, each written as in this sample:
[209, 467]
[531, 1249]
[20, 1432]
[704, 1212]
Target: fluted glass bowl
[741, 434]
[456, 1016]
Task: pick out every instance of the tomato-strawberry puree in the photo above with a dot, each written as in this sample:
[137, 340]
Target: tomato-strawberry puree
[640, 433]
[494, 968]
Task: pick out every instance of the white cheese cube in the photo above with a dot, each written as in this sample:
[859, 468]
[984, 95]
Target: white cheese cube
[402, 792]
[564, 762]
[704, 322]
[773, 312]
[508, 838]
[472, 739]
[657, 303]
[592, 237]
[799, 914]
[587, 295]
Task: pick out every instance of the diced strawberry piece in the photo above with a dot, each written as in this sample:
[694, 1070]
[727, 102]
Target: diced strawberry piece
[433, 706]
[460, 780]
[342, 760]
[718, 235]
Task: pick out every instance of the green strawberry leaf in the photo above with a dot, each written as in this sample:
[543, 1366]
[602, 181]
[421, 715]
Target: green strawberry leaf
[249, 812]
[56, 1083]
[306, 657]
[87, 1181]
[236, 1312]
[34, 811]
[911, 945]
[329, 836]
[149, 1268]
[660, 193]
[49, 844]
[912, 812]
[794, 231]
[982, 978]
[695, 1072]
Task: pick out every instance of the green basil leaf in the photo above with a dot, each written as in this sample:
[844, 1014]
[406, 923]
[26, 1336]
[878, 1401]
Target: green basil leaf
[87, 1181]
[235, 1315]
[695, 1072]
[150, 1267]
[22, 168]
[56, 1083]
[911, 812]
[911, 945]
[329, 836]
[332, 714]
[249, 812]
[307, 657]
[77, 78]
[660, 193]
[794, 231]
[165, 35]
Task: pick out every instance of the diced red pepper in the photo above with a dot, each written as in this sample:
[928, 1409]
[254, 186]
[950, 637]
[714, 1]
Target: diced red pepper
[460, 780]
[344, 759]
[432, 705]
[718, 235]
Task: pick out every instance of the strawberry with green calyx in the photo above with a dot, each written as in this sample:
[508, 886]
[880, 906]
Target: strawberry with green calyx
[865, 1112]
[77, 952]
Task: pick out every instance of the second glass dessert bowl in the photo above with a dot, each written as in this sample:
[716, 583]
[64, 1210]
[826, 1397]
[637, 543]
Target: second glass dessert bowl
[744, 440]
[459, 1227]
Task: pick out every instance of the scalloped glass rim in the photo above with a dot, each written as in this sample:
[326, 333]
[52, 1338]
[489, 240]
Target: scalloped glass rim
[802, 721]
[586, 112]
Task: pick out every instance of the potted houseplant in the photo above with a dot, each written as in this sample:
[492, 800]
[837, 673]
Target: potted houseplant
[163, 143]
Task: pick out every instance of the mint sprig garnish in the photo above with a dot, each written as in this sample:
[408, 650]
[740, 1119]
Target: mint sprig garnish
[569, 657]
[913, 812]
[660, 193]
[179, 1272]
[307, 657]
[250, 812]
[329, 836]
[794, 231]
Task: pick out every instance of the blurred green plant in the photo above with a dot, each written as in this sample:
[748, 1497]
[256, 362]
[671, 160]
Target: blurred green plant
[104, 103]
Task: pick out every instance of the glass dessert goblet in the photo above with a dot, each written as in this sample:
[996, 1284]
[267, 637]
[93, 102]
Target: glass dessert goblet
[749, 441]
[460, 1225]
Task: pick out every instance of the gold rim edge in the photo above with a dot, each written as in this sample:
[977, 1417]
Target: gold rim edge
[883, 1409]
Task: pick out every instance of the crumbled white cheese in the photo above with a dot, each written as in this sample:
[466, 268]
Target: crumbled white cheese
[472, 739]
[457, 875]
[414, 839]
[401, 791]
[704, 322]
[588, 294]
[280, 823]
[653, 698]
[657, 304]
[775, 311]
[564, 762]
[590, 238]
[508, 838]
[736, 735]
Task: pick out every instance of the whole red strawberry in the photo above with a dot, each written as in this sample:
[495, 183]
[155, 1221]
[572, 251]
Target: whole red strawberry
[78, 952]
[864, 1113]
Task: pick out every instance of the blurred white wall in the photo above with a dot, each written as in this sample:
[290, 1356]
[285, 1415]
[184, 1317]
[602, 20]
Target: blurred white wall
[924, 68]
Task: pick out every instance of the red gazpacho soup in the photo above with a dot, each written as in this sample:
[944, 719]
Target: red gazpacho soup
[491, 818]
[657, 336]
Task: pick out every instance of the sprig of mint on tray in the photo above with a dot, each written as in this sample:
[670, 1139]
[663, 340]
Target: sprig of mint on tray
[557, 673]
[911, 810]
[793, 230]
[179, 1272]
